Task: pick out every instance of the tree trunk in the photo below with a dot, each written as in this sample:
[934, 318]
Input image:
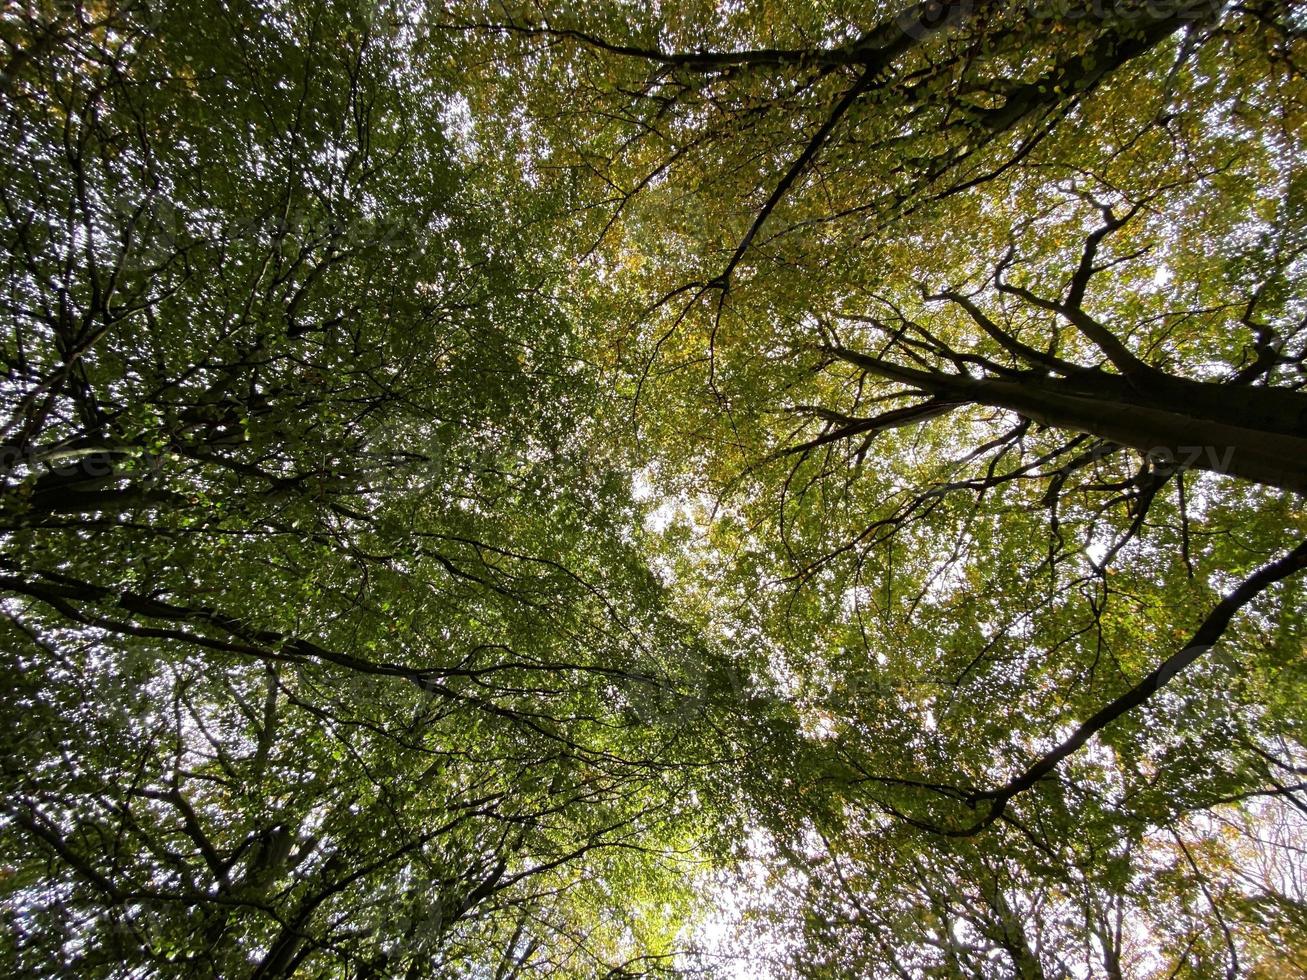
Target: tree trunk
[1251, 432]
[1256, 440]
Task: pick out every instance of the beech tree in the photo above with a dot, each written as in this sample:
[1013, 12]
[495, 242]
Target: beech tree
[947, 326]
[507, 490]
[325, 653]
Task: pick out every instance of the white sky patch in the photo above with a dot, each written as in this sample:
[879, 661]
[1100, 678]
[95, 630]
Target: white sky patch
[661, 517]
[734, 944]
[642, 485]
[456, 119]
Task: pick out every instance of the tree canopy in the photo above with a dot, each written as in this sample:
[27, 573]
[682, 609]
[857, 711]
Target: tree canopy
[794, 490]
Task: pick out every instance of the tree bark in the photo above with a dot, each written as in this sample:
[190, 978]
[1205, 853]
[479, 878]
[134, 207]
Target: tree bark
[1250, 432]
